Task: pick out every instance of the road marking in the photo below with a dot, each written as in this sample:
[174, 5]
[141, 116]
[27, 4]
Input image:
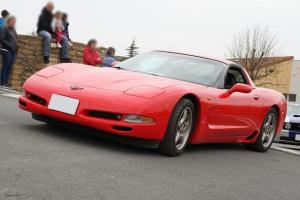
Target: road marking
[12, 95]
[296, 153]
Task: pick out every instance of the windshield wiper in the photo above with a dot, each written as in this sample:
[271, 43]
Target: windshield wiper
[117, 67]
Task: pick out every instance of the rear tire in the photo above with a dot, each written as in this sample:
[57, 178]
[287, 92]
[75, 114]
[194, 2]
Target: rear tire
[267, 133]
[179, 129]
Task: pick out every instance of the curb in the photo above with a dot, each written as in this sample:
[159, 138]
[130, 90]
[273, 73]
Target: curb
[9, 90]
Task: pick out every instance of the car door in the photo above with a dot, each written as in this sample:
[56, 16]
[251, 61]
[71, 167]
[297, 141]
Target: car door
[234, 115]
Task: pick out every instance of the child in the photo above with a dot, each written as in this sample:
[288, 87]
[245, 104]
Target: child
[58, 28]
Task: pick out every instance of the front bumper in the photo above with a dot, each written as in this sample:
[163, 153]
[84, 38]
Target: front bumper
[99, 100]
[153, 144]
[288, 135]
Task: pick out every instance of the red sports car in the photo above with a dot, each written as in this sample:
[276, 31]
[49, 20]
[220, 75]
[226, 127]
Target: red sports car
[168, 98]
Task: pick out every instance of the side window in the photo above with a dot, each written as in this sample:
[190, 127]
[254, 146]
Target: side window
[234, 76]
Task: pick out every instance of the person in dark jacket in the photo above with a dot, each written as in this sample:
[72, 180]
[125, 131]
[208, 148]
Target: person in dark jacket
[44, 29]
[109, 59]
[66, 25]
[9, 47]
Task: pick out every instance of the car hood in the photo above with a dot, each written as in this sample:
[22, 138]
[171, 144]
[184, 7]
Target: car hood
[110, 78]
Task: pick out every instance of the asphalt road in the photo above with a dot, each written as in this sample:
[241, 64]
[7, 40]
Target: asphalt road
[42, 162]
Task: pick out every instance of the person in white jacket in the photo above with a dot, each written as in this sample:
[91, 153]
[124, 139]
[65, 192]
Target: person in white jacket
[58, 27]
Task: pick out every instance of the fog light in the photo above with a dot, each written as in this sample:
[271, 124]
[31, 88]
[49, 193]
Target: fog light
[287, 126]
[139, 119]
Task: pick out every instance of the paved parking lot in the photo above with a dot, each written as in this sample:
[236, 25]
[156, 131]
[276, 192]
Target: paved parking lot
[42, 162]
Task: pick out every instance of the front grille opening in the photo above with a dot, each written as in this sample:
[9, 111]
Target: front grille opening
[295, 127]
[104, 115]
[22, 103]
[122, 128]
[37, 99]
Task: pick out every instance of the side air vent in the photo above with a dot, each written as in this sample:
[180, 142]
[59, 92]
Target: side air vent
[36, 99]
[122, 128]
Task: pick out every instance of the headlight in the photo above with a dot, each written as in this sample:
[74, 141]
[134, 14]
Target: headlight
[139, 119]
[287, 125]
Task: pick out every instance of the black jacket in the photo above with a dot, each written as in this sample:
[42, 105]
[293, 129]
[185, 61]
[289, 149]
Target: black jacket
[66, 30]
[8, 39]
[45, 20]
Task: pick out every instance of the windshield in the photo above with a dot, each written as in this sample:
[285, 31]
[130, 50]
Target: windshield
[187, 68]
[293, 109]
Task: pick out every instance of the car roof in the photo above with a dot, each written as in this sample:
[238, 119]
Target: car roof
[227, 62]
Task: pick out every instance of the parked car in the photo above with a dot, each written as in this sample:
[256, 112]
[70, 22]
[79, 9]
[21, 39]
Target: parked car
[291, 128]
[166, 98]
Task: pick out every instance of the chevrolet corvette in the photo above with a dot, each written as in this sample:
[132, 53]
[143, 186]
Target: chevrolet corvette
[171, 99]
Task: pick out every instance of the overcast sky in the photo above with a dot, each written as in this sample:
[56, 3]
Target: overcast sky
[192, 26]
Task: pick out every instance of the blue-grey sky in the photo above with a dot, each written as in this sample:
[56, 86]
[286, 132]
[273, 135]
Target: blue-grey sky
[192, 26]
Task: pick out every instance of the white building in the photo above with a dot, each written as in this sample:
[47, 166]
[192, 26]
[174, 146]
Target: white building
[294, 94]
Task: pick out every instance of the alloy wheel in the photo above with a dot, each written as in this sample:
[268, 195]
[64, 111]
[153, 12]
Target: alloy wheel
[184, 127]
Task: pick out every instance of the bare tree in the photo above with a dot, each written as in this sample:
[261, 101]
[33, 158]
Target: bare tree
[256, 49]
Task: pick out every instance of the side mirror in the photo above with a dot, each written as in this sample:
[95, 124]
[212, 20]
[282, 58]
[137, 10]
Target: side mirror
[239, 87]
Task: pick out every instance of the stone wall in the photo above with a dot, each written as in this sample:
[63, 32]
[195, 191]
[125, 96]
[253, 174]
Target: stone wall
[30, 58]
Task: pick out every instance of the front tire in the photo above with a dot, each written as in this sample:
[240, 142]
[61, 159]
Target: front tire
[179, 129]
[267, 133]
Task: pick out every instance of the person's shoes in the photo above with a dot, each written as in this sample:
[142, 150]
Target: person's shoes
[58, 45]
[46, 59]
[65, 60]
[53, 45]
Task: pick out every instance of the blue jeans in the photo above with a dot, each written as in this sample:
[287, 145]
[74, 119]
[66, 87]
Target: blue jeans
[64, 53]
[46, 41]
[8, 59]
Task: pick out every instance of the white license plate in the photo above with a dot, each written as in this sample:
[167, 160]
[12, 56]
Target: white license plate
[63, 104]
[297, 137]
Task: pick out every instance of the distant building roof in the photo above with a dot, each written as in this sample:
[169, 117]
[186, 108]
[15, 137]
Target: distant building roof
[267, 61]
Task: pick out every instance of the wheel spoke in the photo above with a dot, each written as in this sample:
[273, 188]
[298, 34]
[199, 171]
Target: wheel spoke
[177, 138]
[264, 138]
[269, 120]
[183, 118]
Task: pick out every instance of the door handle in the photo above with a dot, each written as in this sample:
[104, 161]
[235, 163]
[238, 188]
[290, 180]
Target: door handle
[256, 97]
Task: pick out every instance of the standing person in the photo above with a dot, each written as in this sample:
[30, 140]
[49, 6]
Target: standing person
[109, 59]
[91, 55]
[8, 40]
[4, 15]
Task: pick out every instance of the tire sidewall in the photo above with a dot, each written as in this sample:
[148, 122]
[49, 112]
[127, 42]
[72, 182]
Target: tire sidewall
[259, 142]
[170, 135]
